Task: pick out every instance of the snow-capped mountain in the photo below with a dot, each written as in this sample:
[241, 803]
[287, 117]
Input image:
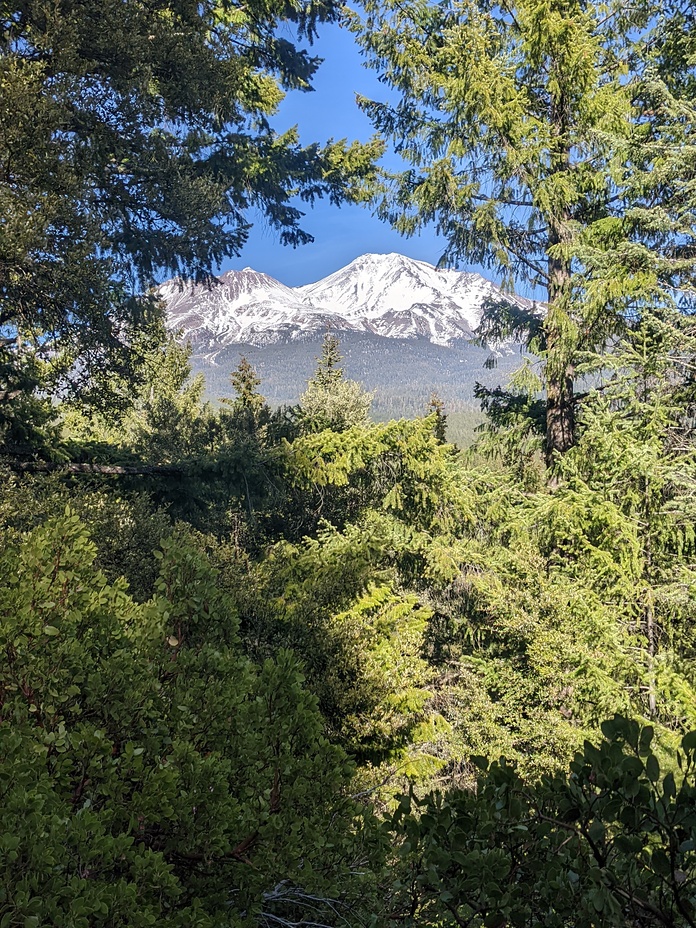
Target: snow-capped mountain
[239, 307]
[400, 297]
[387, 295]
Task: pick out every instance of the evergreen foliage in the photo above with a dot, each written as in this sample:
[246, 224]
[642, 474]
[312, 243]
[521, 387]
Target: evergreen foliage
[151, 774]
[437, 407]
[436, 608]
[331, 401]
[249, 406]
[552, 142]
[135, 140]
[230, 636]
[609, 843]
[162, 420]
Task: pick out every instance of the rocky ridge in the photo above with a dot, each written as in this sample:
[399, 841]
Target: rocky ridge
[384, 295]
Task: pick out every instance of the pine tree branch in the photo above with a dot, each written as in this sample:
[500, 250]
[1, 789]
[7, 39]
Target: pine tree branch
[481, 198]
[530, 264]
[46, 467]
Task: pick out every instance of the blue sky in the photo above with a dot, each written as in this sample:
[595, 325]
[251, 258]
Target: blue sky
[341, 234]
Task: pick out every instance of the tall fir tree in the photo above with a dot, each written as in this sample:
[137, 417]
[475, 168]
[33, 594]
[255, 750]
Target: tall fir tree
[331, 401]
[542, 141]
[248, 408]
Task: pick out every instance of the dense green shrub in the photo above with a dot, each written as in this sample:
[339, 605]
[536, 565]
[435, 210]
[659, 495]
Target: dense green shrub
[150, 774]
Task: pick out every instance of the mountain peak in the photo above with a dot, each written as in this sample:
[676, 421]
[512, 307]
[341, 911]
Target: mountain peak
[385, 294]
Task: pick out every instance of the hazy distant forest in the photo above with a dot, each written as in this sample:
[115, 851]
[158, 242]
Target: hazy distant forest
[291, 667]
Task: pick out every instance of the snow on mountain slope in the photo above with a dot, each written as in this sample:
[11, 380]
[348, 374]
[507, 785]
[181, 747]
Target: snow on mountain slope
[396, 296]
[387, 295]
[242, 306]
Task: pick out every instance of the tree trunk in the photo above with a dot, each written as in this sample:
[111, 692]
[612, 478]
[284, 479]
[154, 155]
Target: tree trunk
[650, 632]
[560, 407]
[560, 415]
[560, 410]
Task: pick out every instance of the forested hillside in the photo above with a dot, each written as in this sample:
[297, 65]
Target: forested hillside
[291, 666]
[402, 374]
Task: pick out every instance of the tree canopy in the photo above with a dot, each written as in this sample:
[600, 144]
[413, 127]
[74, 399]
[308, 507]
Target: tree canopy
[294, 668]
[135, 141]
[551, 141]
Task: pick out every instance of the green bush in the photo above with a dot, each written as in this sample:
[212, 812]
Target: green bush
[149, 773]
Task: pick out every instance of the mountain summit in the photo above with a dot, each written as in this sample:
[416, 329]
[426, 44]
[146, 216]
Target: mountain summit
[387, 295]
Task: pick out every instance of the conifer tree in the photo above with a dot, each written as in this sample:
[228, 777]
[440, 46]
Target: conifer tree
[244, 382]
[436, 407]
[637, 451]
[249, 407]
[163, 420]
[329, 370]
[135, 142]
[331, 401]
[544, 141]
